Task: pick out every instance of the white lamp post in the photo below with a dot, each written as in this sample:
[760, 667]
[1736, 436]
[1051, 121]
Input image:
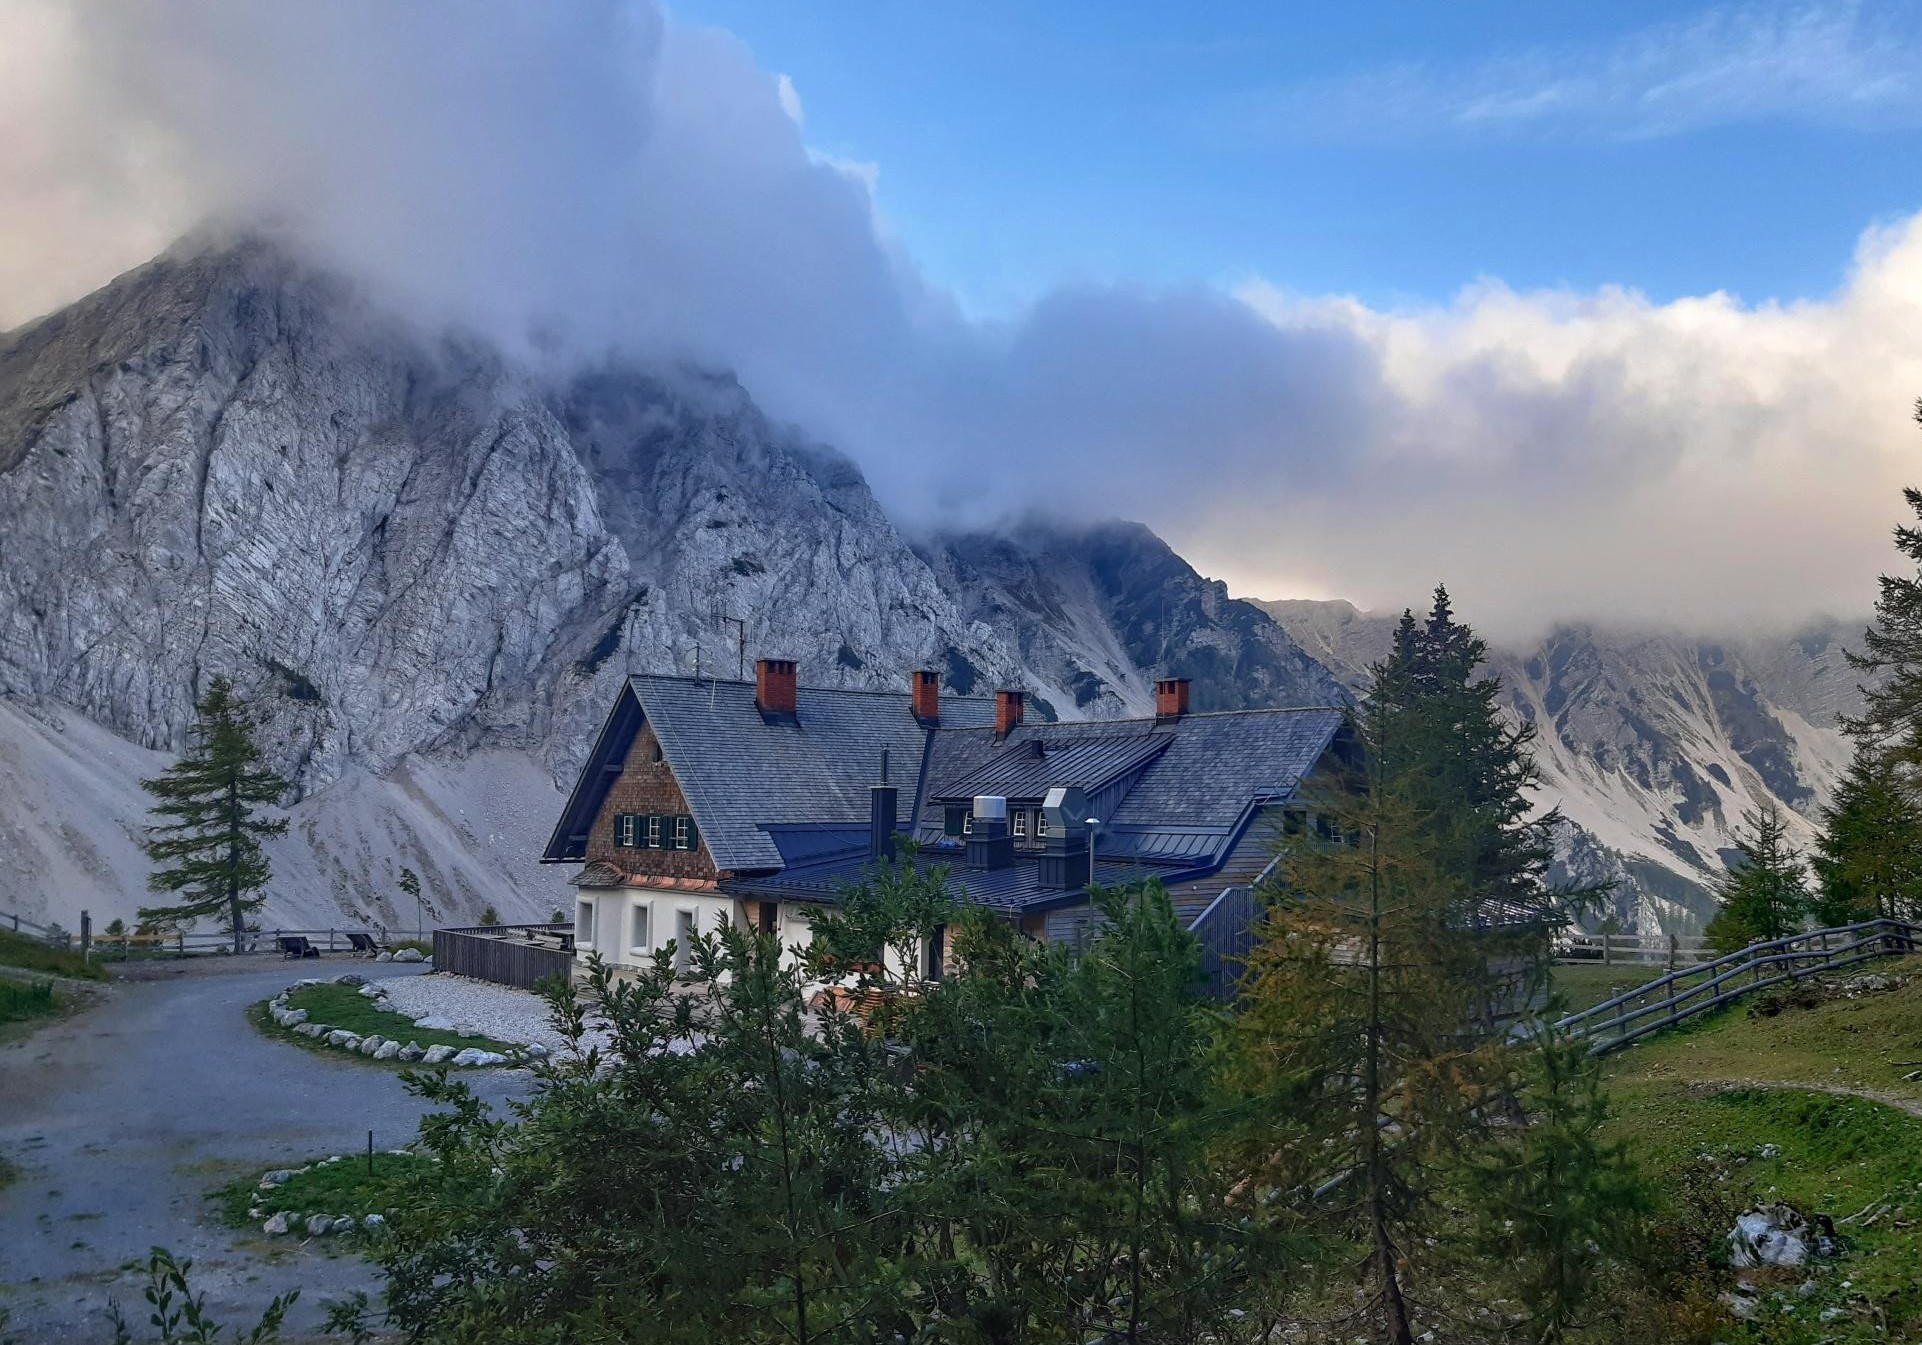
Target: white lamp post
[1093, 823]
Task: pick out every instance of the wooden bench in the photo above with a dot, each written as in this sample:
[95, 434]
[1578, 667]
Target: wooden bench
[295, 946]
[363, 943]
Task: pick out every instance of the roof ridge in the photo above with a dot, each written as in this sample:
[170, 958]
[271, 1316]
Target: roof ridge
[802, 686]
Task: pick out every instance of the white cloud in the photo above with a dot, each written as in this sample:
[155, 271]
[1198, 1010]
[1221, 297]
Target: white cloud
[607, 178]
[1831, 63]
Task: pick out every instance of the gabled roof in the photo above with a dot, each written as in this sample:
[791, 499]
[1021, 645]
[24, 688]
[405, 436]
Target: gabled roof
[739, 771]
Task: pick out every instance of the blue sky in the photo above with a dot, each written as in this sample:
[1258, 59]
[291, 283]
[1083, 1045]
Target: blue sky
[1676, 149]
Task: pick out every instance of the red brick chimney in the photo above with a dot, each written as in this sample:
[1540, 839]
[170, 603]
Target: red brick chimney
[1007, 711]
[1171, 698]
[926, 685]
[774, 687]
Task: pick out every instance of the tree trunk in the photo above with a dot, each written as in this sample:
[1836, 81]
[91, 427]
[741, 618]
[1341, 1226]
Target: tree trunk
[1394, 1310]
[233, 864]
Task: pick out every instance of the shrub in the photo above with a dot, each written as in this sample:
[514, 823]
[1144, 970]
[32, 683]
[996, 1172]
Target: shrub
[490, 916]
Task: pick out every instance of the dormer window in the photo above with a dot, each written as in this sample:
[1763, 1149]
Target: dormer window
[1041, 825]
[1021, 822]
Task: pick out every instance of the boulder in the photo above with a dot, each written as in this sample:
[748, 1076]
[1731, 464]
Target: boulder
[370, 992]
[412, 1051]
[308, 980]
[373, 1221]
[466, 1030]
[313, 1029]
[434, 1055]
[409, 955]
[341, 1037]
[275, 1226]
[319, 1225]
[1773, 1235]
[275, 1178]
[295, 1017]
[350, 979]
[370, 1043]
[433, 1023]
[383, 957]
[467, 1055]
[387, 1051]
[535, 1051]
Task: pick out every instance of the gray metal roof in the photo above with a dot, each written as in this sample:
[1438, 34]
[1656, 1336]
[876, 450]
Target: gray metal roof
[1028, 767]
[1014, 888]
[739, 771]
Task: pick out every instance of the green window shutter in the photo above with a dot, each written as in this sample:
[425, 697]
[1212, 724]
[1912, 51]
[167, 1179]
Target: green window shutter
[693, 835]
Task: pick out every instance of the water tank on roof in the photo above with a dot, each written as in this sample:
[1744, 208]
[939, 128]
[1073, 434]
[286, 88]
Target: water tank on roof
[990, 808]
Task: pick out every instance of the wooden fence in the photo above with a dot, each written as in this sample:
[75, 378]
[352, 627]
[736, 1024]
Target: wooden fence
[1658, 950]
[518, 955]
[181, 942]
[1681, 995]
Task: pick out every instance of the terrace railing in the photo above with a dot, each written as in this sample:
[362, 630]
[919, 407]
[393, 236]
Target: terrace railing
[1660, 950]
[1683, 994]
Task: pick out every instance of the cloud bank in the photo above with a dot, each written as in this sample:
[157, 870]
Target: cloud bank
[580, 178]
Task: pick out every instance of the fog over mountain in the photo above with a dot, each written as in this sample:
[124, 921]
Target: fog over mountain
[578, 182]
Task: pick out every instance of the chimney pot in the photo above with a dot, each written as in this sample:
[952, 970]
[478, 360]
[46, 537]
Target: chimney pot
[1171, 698]
[1008, 705]
[926, 685]
[774, 687]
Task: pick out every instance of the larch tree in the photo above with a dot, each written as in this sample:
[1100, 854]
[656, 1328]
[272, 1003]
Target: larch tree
[1765, 894]
[1891, 718]
[208, 806]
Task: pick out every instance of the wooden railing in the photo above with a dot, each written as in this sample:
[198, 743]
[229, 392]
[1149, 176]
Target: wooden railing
[180, 942]
[1659, 950]
[518, 955]
[1681, 995]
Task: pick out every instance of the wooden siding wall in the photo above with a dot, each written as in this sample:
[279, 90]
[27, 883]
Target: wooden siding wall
[506, 960]
[646, 785]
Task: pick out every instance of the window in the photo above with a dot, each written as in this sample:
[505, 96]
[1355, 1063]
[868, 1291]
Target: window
[683, 832]
[967, 823]
[1021, 822]
[624, 831]
[654, 830]
[1040, 825]
[584, 924]
[937, 952]
[770, 914]
[641, 919]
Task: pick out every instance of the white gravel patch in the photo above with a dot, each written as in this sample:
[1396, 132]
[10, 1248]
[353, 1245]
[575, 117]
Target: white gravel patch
[498, 1011]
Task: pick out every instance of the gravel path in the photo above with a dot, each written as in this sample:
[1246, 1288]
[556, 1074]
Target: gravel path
[498, 1011]
[122, 1117]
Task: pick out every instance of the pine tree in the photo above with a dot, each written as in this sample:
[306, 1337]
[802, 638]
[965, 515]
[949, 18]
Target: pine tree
[1765, 893]
[1868, 860]
[206, 845]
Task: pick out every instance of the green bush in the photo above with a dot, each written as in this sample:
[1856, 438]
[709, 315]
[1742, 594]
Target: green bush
[21, 1002]
[17, 950]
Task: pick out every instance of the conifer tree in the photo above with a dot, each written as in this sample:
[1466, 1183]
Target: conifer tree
[1357, 1024]
[1891, 718]
[1555, 1204]
[1868, 860]
[206, 844]
[1765, 894]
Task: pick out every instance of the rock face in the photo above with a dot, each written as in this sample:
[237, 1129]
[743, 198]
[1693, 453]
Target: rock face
[1101, 611]
[427, 567]
[1653, 745]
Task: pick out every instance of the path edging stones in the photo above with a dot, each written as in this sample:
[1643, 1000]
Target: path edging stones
[382, 1048]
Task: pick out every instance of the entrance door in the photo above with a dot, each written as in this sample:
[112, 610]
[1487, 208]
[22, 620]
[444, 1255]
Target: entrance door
[770, 916]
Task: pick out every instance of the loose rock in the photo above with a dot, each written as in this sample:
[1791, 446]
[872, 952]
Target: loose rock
[350, 979]
[434, 1055]
[409, 955]
[387, 1050]
[432, 1023]
[275, 1226]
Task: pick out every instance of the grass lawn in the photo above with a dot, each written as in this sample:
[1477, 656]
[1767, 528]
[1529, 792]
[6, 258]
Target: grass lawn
[345, 1186]
[31, 955]
[1700, 1105]
[344, 1006]
[1583, 985]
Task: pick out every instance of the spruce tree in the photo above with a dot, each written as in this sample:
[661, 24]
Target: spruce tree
[1868, 860]
[206, 844]
[1892, 652]
[1765, 893]
[1553, 1204]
